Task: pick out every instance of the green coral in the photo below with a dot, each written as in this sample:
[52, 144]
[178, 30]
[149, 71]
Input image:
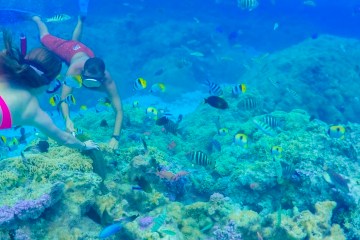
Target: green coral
[8, 179]
[247, 220]
[306, 225]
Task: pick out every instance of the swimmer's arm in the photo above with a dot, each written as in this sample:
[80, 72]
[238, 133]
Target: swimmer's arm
[65, 91]
[116, 104]
[41, 120]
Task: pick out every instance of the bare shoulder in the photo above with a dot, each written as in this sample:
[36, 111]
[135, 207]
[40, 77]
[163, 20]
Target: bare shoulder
[75, 68]
[17, 97]
[21, 103]
[109, 79]
[31, 108]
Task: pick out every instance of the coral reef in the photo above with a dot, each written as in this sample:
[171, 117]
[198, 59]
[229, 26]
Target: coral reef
[306, 225]
[227, 233]
[145, 222]
[25, 210]
[254, 191]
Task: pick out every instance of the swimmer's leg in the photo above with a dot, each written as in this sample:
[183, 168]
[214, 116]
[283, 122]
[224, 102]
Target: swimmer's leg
[78, 30]
[83, 7]
[43, 30]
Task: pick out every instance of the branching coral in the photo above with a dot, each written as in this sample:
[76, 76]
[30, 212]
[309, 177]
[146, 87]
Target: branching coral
[312, 226]
[8, 179]
[156, 198]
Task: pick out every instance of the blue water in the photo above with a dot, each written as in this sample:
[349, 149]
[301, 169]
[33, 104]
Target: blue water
[313, 52]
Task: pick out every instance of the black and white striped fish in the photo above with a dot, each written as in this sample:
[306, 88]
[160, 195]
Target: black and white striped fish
[273, 121]
[265, 128]
[200, 158]
[288, 169]
[214, 88]
[249, 103]
[248, 4]
[171, 126]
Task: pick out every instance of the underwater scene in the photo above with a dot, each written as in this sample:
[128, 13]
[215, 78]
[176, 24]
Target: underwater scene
[239, 121]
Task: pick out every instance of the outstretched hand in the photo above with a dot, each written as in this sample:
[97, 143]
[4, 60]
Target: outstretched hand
[113, 144]
[90, 144]
[69, 125]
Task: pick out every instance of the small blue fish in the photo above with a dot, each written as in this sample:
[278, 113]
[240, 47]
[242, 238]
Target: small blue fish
[116, 227]
[110, 230]
[136, 188]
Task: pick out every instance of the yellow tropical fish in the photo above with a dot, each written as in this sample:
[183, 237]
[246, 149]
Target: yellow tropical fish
[3, 139]
[135, 104]
[54, 100]
[70, 99]
[151, 111]
[337, 131]
[14, 141]
[239, 88]
[223, 131]
[103, 104]
[241, 140]
[13, 144]
[139, 84]
[158, 87]
[73, 81]
[58, 18]
[82, 110]
[276, 151]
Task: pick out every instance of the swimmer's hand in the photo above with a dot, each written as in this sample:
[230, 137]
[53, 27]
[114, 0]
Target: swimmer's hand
[69, 125]
[113, 144]
[89, 145]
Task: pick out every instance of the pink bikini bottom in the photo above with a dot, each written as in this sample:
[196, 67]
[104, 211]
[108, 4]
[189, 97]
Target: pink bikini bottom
[6, 115]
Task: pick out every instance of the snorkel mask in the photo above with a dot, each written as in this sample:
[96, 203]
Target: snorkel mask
[91, 82]
[77, 81]
[54, 84]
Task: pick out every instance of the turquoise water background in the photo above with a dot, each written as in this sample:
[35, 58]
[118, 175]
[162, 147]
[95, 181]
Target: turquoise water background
[304, 72]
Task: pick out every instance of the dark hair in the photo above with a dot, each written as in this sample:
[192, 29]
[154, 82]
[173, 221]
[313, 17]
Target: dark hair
[22, 70]
[95, 66]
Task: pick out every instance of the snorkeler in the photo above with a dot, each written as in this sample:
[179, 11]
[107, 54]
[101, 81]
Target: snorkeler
[82, 62]
[22, 80]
